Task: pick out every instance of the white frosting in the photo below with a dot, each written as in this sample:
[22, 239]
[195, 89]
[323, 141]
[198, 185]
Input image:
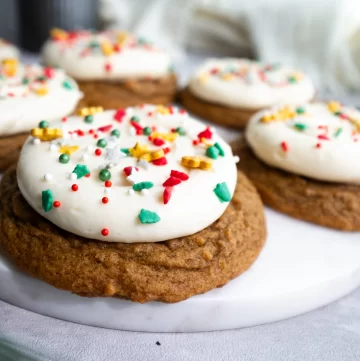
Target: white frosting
[325, 148]
[21, 107]
[135, 58]
[242, 83]
[8, 50]
[193, 204]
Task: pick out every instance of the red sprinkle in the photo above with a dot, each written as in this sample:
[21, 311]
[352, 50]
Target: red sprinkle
[74, 187]
[171, 109]
[64, 119]
[105, 128]
[105, 200]
[137, 126]
[167, 194]
[127, 170]
[91, 131]
[117, 48]
[182, 111]
[284, 146]
[97, 151]
[105, 232]
[108, 67]
[150, 114]
[323, 137]
[207, 134]
[80, 133]
[87, 175]
[139, 132]
[158, 142]
[318, 145]
[119, 115]
[108, 184]
[166, 150]
[181, 175]
[56, 204]
[195, 142]
[160, 161]
[49, 72]
[96, 136]
[172, 181]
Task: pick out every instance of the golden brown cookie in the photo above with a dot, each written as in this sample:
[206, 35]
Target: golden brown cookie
[113, 95]
[10, 147]
[328, 204]
[169, 271]
[220, 114]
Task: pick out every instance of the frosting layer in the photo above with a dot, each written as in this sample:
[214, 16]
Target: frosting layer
[155, 174]
[242, 83]
[112, 55]
[8, 50]
[29, 93]
[316, 140]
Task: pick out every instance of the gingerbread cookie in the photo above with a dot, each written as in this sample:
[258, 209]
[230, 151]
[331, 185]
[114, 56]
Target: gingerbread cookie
[113, 68]
[8, 50]
[230, 91]
[304, 162]
[130, 203]
[29, 93]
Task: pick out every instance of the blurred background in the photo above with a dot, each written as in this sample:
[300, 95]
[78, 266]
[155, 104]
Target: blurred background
[321, 37]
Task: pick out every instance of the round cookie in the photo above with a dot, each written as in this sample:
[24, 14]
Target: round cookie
[229, 91]
[113, 68]
[7, 50]
[145, 203]
[29, 93]
[303, 162]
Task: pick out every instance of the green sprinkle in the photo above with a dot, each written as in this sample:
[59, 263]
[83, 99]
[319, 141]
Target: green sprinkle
[300, 126]
[115, 133]
[148, 217]
[41, 78]
[180, 130]
[292, 80]
[93, 44]
[44, 124]
[89, 119]
[212, 152]
[300, 110]
[222, 192]
[64, 158]
[126, 151]
[135, 119]
[25, 81]
[101, 143]
[104, 175]
[337, 113]
[142, 185]
[219, 148]
[47, 199]
[147, 131]
[81, 170]
[338, 132]
[67, 85]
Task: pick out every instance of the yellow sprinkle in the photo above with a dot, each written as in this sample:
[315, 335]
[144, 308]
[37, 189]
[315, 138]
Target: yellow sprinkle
[298, 76]
[227, 76]
[170, 137]
[41, 91]
[10, 66]
[46, 134]
[334, 106]
[196, 162]
[89, 111]
[59, 34]
[68, 149]
[139, 150]
[205, 141]
[107, 48]
[122, 36]
[162, 110]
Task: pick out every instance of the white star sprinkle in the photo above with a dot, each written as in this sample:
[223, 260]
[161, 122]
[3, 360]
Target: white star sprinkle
[143, 163]
[114, 155]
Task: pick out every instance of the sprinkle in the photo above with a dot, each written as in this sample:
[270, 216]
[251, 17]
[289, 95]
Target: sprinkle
[48, 177]
[85, 157]
[114, 155]
[220, 149]
[142, 185]
[300, 126]
[170, 137]
[144, 192]
[147, 131]
[53, 147]
[90, 110]
[323, 137]
[180, 131]
[98, 152]
[108, 184]
[154, 155]
[119, 115]
[88, 119]
[64, 119]
[148, 217]
[167, 194]
[116, 133]
[46, 134]
[160, 162]
[67, 85]
[47, 200]
[108, 67]
[171, 182]
[36, 141]
[139, 150]
[44, 124]
[102, 143]
[68, 149]
[222, 192]
[105, 200]
[300, 110]
[41, 91]
[284, 146]
[81, 170]
[318, 145]
[74, 187]
[131, 192]
[338, 132]
[143, 163]
[64, 158]
[105, 232]
[236, 159]
[128, 170]
[73, 176]
[196, 162]
[104, 175]
[105, 128]
[212, 152]
[207, 134]
[158, 142]
[56, 204]
[180, 175]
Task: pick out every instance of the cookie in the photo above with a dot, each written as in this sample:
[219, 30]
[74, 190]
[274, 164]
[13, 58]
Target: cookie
[229, 91]
[145, 203]
[28, 94]
[303, 162]
[169, 271]
[115, 69]
[8, 50]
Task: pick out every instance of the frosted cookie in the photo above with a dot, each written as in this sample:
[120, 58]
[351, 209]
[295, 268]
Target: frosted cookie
[8, 50]
[130, 203]
[29, 93]
[113, 68]
[303, 160]
[230, 91]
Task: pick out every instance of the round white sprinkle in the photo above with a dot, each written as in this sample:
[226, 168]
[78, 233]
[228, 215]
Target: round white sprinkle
[89, 148]
[131, 192]
[36, 141]
[53, 147]
[236, 159]
[48, 177]
[107, 190]
[73, 176]
[85, 156]
[132, 131]
[144, 192]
